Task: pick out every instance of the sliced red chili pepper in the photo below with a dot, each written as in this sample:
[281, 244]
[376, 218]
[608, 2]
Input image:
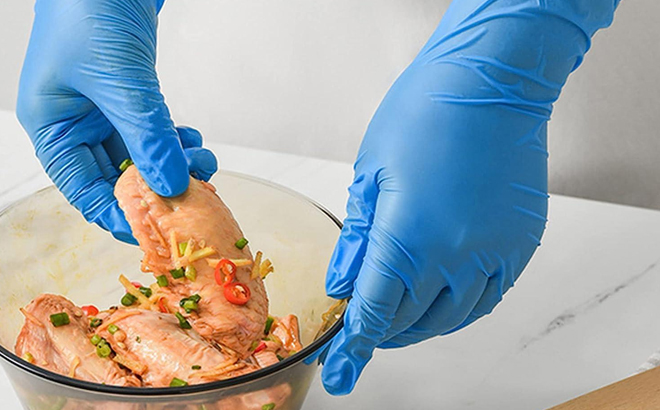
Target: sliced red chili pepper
[261, 347]
[237, 293]
[161, 305]
[225, 271]
[136, 284]
[90, 310]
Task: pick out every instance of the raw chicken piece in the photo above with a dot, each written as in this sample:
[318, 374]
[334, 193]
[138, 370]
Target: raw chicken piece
[154, 346]
[199, 214]
[287, 330]
[66, 349]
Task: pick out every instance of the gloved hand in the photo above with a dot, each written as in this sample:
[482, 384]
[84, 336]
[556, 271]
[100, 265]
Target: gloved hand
[449, 198]
[89, 98]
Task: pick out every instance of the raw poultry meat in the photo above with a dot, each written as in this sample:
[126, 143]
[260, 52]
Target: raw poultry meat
[185, 328]
[156, 348]
[197, 217]
[65, 349]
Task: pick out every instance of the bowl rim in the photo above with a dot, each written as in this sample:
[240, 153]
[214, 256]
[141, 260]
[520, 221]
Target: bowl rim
[313, 348]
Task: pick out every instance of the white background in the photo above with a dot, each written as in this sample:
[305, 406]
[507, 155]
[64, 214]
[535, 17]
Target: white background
[304, 77]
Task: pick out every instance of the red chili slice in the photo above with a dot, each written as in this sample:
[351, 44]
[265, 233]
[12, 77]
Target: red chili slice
[90, 310]
[225, 271]
[261, 347]
[136, 284]
[237, 293]
[161, 306]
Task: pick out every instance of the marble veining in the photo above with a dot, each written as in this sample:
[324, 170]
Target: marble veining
[569, 316]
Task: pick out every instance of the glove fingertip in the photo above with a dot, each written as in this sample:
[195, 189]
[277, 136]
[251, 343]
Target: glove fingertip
[167, 175]
[202, 163]
[339, 373]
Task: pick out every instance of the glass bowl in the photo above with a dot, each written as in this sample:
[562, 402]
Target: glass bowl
[48, 247]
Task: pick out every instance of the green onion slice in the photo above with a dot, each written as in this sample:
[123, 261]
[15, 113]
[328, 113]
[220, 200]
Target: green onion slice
[269, 406]
[178, 382]
[196, 367]
[269, 324]
[95, 339]
[95, 322]
[59, 319]
[182, 321]
[112, 328]
[177, 273]
[162, 281]
[125, 164]
[146, 291]
[128, 299]
[182, 247]
[191, 273]
[240, 244]
[189, 306]
[103, 350]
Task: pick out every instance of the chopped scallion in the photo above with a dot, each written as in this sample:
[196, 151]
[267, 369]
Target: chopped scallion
[196, 367]
[178, 382]
[103, 350]
[162, 281]
[240, 244]
[27, 356]
[254, 345]
[182, 247]
[112, 328]
[95, 339]
[59, 319]
[195, 298]
[128, 299]
[269, 324]
[177, 273]
[269, 406]
[95, 322]
[138, 339]
[191, 273]
[183, 323]
[280, 358]
[125, 164]
[189, 305]
[146, 291]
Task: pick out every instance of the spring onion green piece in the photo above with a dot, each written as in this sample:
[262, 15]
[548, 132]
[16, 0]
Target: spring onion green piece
[189, 306]
[191, 273]
[162, 281]
[95, 322]
[269, 324]
[280, 358]
[254, 345]
[27, 356]
[138, 339]
[196, 367]
[95, 339]
[103, 350]
[269, 406]
[128, 299]
[183, 323]
[112, 328]
[125, 164]
[195, 298]
[178, 383]
[59, 319]
[146, 291]
[240, 244]
[182, 247]
[177, 273]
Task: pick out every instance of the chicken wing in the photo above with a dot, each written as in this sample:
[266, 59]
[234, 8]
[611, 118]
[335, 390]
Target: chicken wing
[197, 219]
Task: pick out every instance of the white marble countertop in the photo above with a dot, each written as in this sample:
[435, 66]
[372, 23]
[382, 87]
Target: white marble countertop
[583, 315]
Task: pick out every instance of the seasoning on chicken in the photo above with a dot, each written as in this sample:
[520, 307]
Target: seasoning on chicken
[55, 336]
[177, 235]
[155, 347]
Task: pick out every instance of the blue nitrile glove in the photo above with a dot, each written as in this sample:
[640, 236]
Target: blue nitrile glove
[89, 98]
[449, 198]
